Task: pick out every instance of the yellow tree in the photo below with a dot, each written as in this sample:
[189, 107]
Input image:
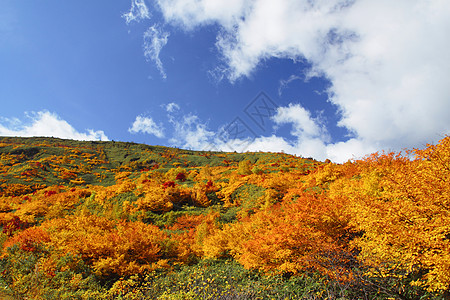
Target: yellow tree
[401, 204]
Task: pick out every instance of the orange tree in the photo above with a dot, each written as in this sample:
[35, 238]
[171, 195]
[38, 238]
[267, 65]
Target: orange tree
[305, 232]
[109, 247]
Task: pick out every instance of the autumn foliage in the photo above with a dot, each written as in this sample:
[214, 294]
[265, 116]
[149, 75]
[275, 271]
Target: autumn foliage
[92, 218]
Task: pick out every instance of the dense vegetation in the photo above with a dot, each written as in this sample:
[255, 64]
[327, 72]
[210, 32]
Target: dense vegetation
[113, 220]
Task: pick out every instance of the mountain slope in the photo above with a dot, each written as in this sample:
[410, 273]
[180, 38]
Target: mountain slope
[105, 220]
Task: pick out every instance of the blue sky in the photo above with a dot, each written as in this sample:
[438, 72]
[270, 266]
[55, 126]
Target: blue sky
[331, 79]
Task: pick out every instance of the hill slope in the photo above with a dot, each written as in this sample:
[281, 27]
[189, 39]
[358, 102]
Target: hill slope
[90, 220]
[52, 161]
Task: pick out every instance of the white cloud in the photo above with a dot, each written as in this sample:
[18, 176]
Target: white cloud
[284, 83]
[351, 149]
[146, 125]
[138, 11]
[192, 13]
[303, 126]
[272, 144]
[172, 107]
[187, 130]
[190, 133]
[387, 61]
[45, 123]
[154, 40]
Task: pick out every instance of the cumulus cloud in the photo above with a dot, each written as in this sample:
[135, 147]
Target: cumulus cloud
[310, 138]
[190, 133]
[45, 123]
[303, 126]
[387, 61]
[154, 40]
[138, 12]
[193, 13]
[146, 125]
[351, 149]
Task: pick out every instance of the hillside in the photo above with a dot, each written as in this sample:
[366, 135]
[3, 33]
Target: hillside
[109, 220]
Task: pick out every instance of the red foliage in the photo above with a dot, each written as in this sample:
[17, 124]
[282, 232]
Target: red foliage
[209, 184]
[49, 193]
[168, 184]
[181, 176]
[13, 225]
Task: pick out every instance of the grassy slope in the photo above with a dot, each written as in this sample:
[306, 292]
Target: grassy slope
[47, 159]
